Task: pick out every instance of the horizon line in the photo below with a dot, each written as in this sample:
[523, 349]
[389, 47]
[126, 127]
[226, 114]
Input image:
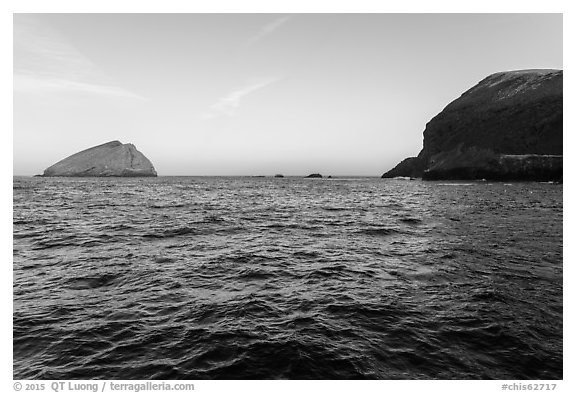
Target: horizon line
[260, 176]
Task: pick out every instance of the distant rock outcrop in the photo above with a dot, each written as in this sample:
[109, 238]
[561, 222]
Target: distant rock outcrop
[107, 160]
[508, 127]
[314, 175]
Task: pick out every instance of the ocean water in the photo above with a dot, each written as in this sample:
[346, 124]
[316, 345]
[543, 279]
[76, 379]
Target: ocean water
[290, 278]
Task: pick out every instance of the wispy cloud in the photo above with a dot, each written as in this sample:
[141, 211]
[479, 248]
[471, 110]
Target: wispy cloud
[34, 84]
[46, 62]
[267, 29]
[228, 104]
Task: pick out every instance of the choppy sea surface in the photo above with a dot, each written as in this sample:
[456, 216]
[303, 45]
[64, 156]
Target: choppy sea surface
[257, 278]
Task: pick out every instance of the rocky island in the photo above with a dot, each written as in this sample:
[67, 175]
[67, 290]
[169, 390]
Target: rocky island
[507, 127]
[112, 159]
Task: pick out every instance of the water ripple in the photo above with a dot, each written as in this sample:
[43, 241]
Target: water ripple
[263, 278]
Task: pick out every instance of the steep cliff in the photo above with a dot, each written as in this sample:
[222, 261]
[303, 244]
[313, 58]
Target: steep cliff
[515, 113]
[110, 159]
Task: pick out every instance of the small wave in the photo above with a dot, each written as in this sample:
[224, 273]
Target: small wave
[254, 274]
[168, 206]
[65, 241]
[172, 233]
[411, 220]
[325, 272]
[164, 259]
[334, 208]
[120, 227]
[306, 254]
[293, 226]
[91, 243]
[488, 294]
[379, 231]
[213, 218]
[26, 234]
[90, 282]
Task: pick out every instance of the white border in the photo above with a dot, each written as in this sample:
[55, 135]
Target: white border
[294, 6]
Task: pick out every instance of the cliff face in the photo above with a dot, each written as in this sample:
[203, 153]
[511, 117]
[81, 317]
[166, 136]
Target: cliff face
[109, 159]
[477, 163]
[516, 113]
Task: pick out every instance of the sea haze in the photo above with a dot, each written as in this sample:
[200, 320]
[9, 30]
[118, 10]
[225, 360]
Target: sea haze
[236, 278]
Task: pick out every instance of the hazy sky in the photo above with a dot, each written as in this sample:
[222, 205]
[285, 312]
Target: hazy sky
[256, 94]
